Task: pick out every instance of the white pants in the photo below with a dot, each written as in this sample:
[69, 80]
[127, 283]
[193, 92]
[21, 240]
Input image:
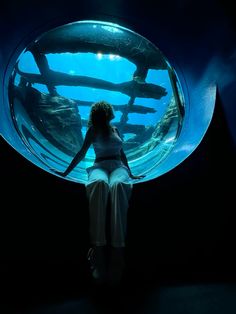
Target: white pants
[113, 179]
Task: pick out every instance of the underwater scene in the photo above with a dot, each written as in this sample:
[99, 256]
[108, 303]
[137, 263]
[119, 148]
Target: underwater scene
[62, 73]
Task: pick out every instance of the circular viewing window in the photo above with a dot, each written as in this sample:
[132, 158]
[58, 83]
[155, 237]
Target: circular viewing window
[62, 73]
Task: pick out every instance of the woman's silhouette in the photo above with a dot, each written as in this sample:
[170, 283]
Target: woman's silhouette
[110, 173]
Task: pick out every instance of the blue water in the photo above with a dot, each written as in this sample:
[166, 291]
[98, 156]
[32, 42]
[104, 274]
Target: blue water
[143, 156]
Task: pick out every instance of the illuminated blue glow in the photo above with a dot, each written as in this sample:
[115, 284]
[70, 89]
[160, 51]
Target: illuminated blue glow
[164, 136]
[112, 29]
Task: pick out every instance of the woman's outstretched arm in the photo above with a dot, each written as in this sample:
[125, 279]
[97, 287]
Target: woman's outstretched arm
[125, 160]
[81, 154]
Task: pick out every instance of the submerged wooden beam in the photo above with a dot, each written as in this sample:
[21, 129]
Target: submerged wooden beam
[131, 88]
[43, 66]
[124, 128]
[93, 37]
[133, 109]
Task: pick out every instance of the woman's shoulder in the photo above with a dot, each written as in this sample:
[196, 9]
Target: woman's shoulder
[116, 130]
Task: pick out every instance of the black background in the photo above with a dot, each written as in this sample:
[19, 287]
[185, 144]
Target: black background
[182, 224]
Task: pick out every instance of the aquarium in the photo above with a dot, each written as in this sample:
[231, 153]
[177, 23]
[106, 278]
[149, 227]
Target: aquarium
[53, 82]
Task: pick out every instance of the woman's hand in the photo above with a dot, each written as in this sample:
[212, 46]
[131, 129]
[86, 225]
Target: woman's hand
[136, 177]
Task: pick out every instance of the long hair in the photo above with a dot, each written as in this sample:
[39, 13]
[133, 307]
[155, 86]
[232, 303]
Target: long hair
[101, 114]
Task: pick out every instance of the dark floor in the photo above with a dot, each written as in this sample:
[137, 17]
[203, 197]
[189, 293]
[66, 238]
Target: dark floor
[192, 299]
[45, 287]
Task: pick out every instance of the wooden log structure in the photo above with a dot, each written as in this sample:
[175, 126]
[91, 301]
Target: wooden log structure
[93, 37]
[133, 109]
[85, 38]
[131, 88]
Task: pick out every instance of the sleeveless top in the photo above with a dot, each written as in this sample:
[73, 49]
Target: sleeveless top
[110, 145]
[105, 147]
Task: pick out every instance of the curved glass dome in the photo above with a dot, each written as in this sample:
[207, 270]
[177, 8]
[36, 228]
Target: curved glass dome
[57, 78]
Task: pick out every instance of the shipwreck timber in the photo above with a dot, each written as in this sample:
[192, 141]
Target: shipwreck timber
[58, 118]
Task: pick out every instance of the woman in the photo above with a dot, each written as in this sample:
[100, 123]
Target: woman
[109, 174]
